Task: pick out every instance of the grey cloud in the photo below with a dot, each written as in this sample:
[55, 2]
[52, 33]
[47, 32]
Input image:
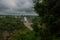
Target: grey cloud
[16, 7]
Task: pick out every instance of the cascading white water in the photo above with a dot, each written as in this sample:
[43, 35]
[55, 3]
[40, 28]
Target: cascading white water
[25, 19]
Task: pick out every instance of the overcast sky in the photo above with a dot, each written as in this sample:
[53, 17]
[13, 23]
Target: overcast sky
[16, 7]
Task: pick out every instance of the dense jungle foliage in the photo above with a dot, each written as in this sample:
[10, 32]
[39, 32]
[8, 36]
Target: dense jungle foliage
[45, 27]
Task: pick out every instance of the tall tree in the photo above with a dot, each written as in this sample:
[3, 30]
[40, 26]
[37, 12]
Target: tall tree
[49, 14]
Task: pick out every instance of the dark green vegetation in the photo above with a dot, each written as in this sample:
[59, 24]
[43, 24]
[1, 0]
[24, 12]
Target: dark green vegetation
[25, 35]
[12, 28]
[46, 26]
[10, 24]
[48, 23]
